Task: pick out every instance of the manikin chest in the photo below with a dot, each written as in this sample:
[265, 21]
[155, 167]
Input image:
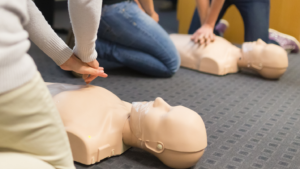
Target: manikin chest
[216, 58]
[93, 118]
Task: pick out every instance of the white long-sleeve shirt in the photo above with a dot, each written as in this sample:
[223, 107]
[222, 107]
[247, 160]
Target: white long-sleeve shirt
[20, 19]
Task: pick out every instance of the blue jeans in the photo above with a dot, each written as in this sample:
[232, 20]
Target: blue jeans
[255, 14]
[130, 37]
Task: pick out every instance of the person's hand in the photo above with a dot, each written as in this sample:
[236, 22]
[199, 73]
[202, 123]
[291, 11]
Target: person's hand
[88, 78]
[204, 35]
[76, 65]
[154, 16]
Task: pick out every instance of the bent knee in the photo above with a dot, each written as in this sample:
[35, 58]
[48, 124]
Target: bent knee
[8, 160]
[172, 68]
[167, 74]
[174, 63]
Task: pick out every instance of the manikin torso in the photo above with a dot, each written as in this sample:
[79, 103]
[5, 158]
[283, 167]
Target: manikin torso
[221, 57]
[100, 125]
[218, 58]
[95, 131]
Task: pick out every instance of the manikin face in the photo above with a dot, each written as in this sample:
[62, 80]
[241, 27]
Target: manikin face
[160, 127]
[252, 53]
[252, 47]
[263, 54]
[267, 59]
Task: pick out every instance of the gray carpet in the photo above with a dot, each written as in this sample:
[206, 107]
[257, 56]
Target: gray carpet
[251, 122]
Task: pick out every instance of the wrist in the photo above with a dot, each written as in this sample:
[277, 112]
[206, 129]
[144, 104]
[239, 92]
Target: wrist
[86, 55]
[150, 12]
[209, 25]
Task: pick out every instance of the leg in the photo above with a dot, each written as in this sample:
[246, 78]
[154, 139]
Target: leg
[126, 25]
[20, 160]
[132, 58]
[256, 19]
[30, 124]
[196, 24]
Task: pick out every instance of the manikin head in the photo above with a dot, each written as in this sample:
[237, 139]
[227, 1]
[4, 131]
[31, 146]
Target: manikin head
[176, 135]
[268, 60]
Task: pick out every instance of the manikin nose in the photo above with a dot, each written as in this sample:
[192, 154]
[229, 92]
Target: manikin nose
[160, 103]
[261, 42]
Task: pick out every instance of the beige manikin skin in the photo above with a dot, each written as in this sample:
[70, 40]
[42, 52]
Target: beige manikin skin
[221, 57]
[98, 124]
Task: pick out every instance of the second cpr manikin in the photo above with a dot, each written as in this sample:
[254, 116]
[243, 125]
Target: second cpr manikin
[100, 125]
[221, 57]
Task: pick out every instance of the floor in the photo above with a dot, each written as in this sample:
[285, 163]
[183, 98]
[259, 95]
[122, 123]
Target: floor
[251, 122]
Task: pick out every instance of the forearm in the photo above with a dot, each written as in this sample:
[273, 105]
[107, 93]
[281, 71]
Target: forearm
[214, 12]
[203, 8]
[148, 6]
[85, 18]
[41, 33]
[139, 4]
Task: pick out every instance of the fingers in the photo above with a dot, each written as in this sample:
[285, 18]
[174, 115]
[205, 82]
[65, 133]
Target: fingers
[85, 76]
[93, 77]
[207, 39]
[94, 63]
[104, 75]
[204, 35]
[195, 35]
[89, 79]
[213, 37]
[89, 70]
[90, 73]
[86, 70]
[198, 38]
[202, 40]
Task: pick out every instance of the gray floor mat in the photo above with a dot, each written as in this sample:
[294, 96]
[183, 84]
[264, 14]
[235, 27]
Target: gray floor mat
[251, 122]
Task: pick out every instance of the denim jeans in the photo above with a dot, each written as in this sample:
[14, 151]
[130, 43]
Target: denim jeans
[255, 14]
[130, 37]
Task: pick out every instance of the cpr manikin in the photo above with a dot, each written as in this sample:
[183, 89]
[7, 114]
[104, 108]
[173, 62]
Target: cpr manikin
[221, 57]
[100, 125]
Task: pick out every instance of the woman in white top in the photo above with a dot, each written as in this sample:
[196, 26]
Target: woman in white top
[31, 132]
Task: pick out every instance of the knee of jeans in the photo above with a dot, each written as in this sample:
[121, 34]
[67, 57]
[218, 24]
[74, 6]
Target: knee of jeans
[167, 73]
[173, 65]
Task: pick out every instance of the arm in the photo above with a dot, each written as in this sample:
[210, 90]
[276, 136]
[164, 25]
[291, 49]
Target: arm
[214, 12]
[148, 6]
[85, 19]
[205, 34]
[139, 4]
[203, 8]
[41, 33]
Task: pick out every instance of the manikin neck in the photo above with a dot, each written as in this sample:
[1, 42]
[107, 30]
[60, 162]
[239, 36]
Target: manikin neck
[237, 53]
[128, 137]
